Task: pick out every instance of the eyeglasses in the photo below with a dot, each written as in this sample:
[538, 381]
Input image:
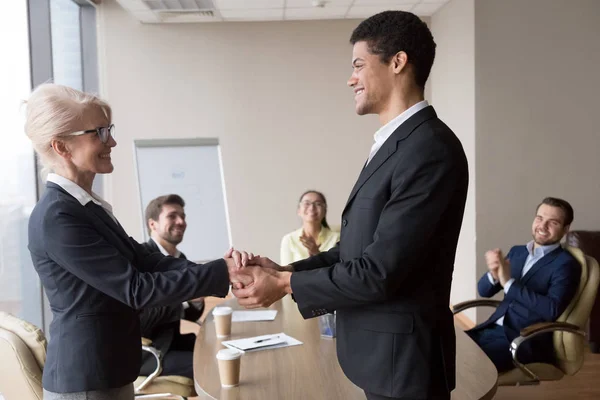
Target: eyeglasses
[103, 132]
[317, 204]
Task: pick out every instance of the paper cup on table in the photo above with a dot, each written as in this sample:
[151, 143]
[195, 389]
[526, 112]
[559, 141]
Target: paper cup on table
[229, 367]
[222, 316]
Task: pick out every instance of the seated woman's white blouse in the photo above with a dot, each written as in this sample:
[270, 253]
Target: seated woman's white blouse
[293, 250]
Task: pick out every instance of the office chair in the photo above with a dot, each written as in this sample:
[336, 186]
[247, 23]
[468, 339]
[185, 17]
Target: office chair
[23, 355]
[568, 331]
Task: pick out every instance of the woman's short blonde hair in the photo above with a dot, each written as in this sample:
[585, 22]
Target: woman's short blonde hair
[50, 112]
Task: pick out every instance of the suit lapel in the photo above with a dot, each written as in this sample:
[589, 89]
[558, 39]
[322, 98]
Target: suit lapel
[153, 245]
[108, 221]
[99, 212]
[389, 147]
[548, 258]
[518, 262]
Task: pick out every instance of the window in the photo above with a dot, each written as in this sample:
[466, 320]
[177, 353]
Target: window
[19, 286]
[45, 40]
[65, 24]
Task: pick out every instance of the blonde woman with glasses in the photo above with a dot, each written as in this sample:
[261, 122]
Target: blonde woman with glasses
[314, 236]
[95, 275]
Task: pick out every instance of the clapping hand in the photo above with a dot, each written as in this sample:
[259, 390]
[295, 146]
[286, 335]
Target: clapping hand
[504, 272]
[310, 244]
[493, 259]
[498, 266]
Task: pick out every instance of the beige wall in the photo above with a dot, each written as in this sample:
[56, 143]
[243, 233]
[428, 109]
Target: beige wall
[537, 90]
[274, 94]
[533, 71]
[515, 80]
[453, 96]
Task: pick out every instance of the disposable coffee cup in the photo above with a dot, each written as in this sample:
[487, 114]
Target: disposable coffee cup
[222, 317]
[229, 367]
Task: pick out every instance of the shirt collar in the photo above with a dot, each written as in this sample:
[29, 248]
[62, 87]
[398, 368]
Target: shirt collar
[386, 131]
[543, 250]
[164, 251]
[78, 192]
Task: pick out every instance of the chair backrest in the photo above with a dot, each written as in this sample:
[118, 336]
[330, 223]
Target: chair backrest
[569, 347]
[23, 354]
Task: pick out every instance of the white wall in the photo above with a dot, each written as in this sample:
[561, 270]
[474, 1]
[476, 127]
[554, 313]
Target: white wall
[453, 96]
[274, 94]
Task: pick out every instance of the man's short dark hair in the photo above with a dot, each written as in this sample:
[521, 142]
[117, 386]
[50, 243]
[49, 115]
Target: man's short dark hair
[390, 32]
[154, 208]
[562, 204]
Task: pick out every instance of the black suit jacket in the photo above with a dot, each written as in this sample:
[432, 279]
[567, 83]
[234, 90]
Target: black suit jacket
[96, 278]
[389, 276]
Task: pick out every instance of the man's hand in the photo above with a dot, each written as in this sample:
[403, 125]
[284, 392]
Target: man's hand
[268, 286]
[236, 262]
[266, 262]
[504, 272]
[310, 244]
[493, 258]
[241, 258]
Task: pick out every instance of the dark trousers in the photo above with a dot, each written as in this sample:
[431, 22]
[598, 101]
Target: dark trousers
[178, 360]
[495, 345]
[372, 396]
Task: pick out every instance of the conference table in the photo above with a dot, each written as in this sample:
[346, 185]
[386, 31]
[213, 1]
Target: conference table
[311, 370]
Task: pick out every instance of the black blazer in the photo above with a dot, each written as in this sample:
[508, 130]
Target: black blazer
[96, 278]
[389, 276]
[152, 247]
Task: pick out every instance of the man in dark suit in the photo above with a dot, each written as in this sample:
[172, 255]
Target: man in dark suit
[389, 276]
[165, 219]
[539, 281]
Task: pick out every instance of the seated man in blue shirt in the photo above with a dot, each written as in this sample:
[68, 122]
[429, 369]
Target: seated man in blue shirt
[539, 281]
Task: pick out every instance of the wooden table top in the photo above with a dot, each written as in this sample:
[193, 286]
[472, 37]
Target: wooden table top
[311, 370]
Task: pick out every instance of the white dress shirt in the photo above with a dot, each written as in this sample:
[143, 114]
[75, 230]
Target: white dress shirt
[165, 252]
[80, 194]
[533, 257]
[386, 131]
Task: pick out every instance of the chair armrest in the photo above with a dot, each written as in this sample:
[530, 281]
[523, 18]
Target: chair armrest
[544, 327]
[537, 329]
[157, 356]
[460, 307]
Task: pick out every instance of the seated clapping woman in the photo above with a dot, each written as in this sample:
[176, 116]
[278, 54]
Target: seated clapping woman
[95, 275]
[314, 236]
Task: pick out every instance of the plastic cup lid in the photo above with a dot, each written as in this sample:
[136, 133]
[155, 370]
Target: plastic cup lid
[222, 310]
[228, 354]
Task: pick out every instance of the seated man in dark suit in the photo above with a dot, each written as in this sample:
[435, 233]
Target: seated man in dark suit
[539, 281]
[165, 219]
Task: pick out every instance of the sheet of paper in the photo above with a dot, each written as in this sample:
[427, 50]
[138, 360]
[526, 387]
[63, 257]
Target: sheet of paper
[263, 342]
[258, 315]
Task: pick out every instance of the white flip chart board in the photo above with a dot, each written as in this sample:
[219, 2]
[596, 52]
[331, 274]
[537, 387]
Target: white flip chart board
[191, 168]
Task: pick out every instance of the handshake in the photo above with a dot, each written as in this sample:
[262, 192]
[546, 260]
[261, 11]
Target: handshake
[257, 281]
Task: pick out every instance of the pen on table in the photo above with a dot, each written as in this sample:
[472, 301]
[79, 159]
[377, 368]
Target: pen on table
[264, 340]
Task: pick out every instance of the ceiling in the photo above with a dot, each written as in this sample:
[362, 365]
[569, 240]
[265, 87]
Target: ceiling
[175, 11]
